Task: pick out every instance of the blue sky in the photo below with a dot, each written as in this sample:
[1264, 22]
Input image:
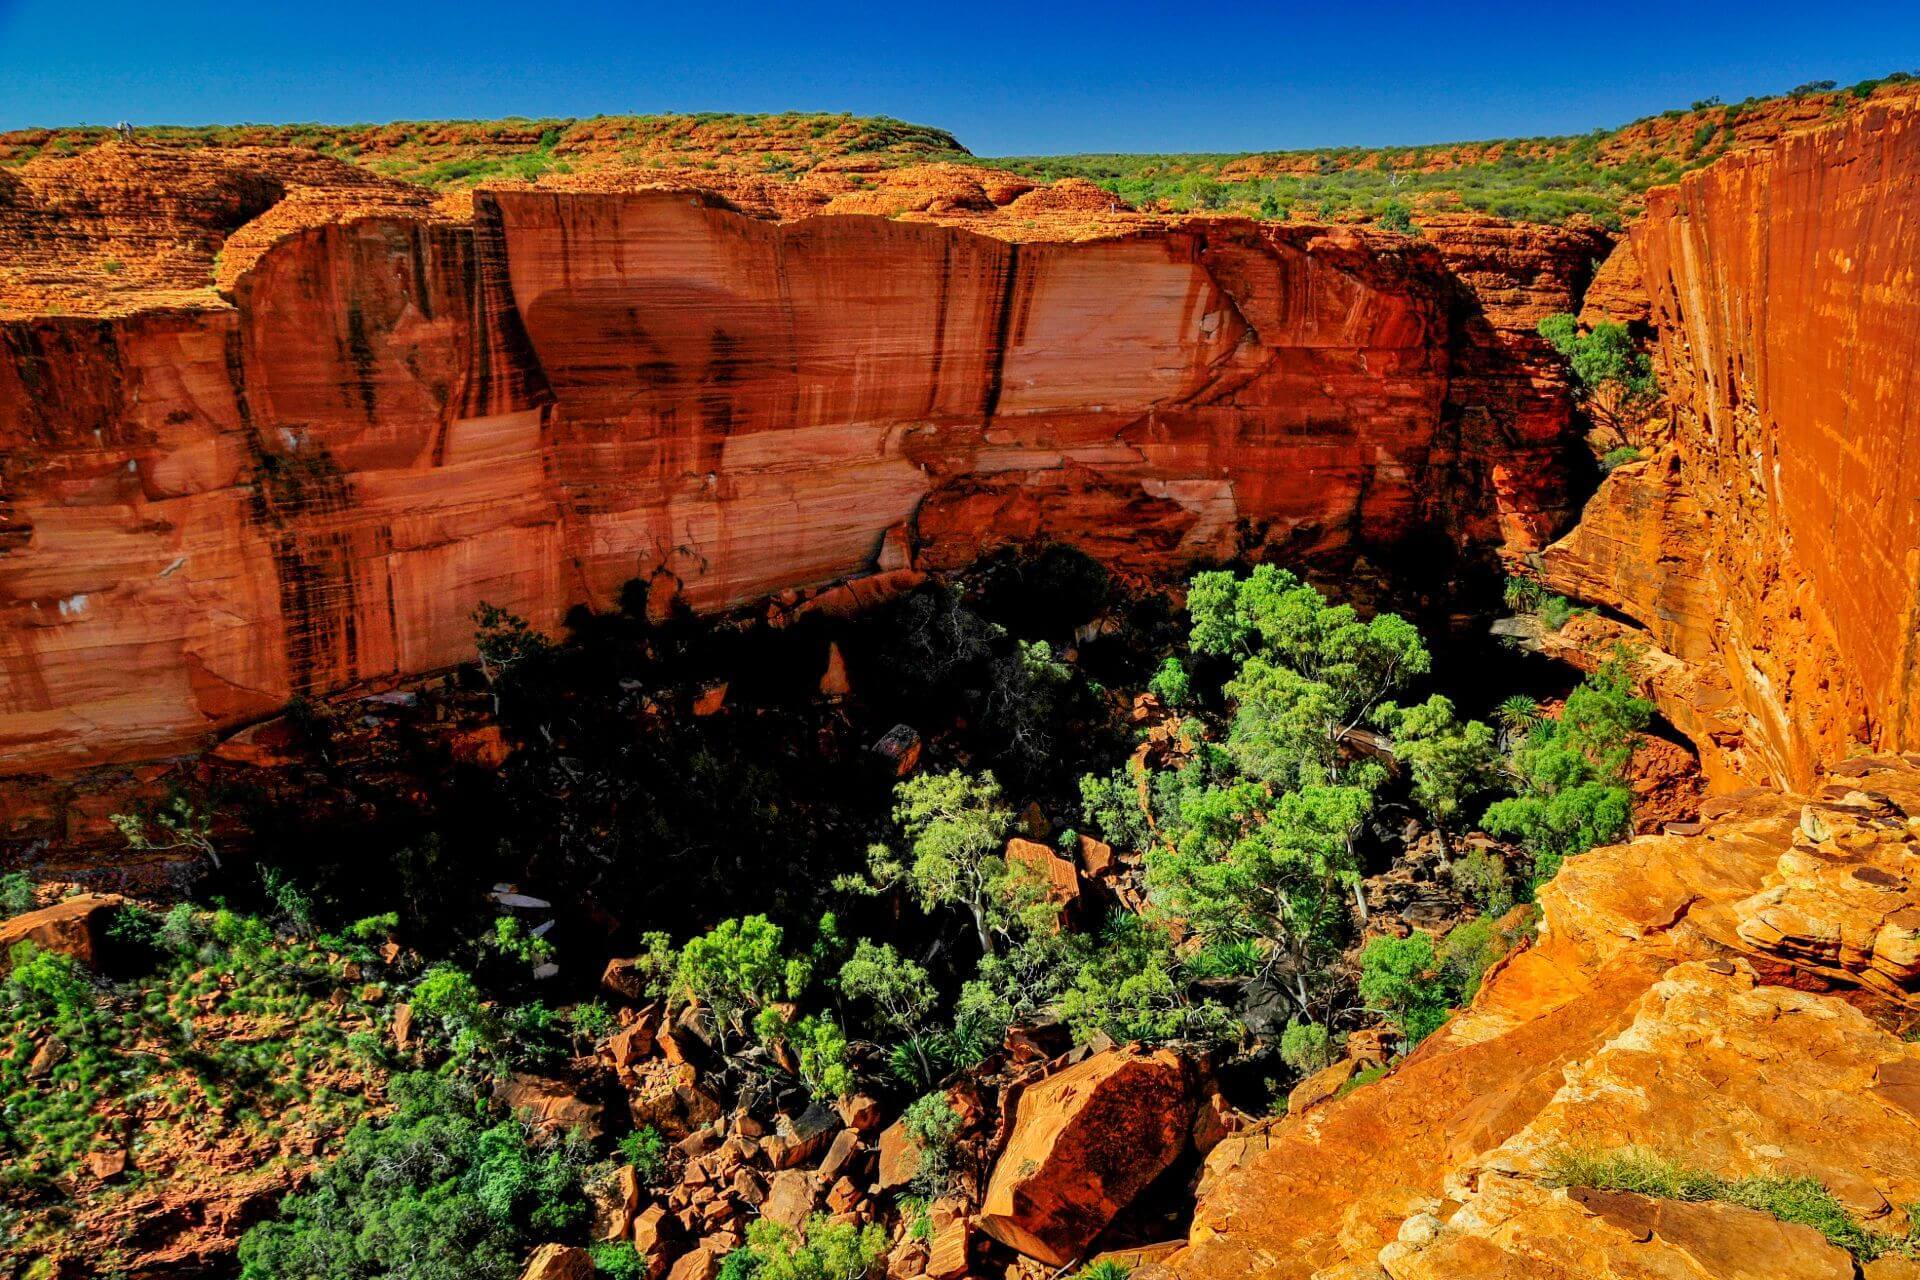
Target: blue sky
[1005, 78]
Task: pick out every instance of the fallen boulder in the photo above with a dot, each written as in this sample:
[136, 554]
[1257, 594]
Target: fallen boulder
[1085, 1143]
[558, 1262]
[74, 927]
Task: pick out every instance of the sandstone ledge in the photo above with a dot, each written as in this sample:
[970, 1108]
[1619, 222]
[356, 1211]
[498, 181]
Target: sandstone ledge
[1731, 999]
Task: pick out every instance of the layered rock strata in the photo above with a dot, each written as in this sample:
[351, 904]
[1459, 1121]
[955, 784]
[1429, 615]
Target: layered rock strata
[390, 414]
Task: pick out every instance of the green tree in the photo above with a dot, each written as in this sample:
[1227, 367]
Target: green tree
[1129, 986]
[645, 1149]
[1448, 760]
[1571, 771]
[446, 997]
[1112, 804]
[180, 823]
[1398, 977]
[736, 970]
[503, 642]
[1023, 702]
[1241, 862]
[933, 1126]
[956, 826]
[1170, 683]
[901, 993]
[1604, 356]
[1311, 672]
[821, 1047]
[16, 894]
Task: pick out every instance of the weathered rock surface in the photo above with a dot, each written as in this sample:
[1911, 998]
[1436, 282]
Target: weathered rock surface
[1085, 1142]
[1731, 1000]
[1770, 559]
[74, 927]
[558, 1262]
[391, 413]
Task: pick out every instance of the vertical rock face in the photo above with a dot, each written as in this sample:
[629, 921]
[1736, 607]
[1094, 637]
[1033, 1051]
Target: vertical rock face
[1786, 568]
[210, 508]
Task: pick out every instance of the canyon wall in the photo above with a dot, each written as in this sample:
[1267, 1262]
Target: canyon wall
[1770, 554]
[216, 502]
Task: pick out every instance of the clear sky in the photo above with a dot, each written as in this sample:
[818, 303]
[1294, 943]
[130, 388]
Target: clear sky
[1005, 78]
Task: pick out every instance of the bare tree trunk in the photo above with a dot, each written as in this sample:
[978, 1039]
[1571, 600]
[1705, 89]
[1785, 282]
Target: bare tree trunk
[980, 927]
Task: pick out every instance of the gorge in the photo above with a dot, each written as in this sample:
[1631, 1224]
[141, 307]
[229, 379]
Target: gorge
[314, 417]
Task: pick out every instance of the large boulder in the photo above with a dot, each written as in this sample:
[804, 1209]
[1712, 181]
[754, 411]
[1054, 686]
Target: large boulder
[1085, 1143]
[551, 1105]
[74, 927]
[558, 1262]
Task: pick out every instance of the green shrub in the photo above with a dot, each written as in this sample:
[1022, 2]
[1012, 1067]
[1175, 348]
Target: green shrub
[645, 1149]
[828, 1250]
[1556, 612]
[1572, 770]
[1361, 1079]
[934, 1127]
[821, 1047]
[438, 1190]
[617, 1260]
[1482, 876]
[16, 894]
[1619, 457]
[1306, 1047]
[1400, 978]
[1170, 683]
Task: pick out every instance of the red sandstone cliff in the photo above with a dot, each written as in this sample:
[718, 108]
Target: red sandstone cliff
[1773, 557]
[214, 502]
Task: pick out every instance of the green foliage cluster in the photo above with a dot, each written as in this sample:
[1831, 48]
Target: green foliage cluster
[1418, 984]
[1307, 1047]
[617, 1260]
[16, 894]
[933, 1126]
[741, 977]
[1255, 844]
[1603, 357]
[1570, 771]
[441, 1189]
[1525, 595]
[1545, 180]
[826, 1250]
[1793, 1199]
[1619, 457]
[645, 1149]
[74, 1041]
